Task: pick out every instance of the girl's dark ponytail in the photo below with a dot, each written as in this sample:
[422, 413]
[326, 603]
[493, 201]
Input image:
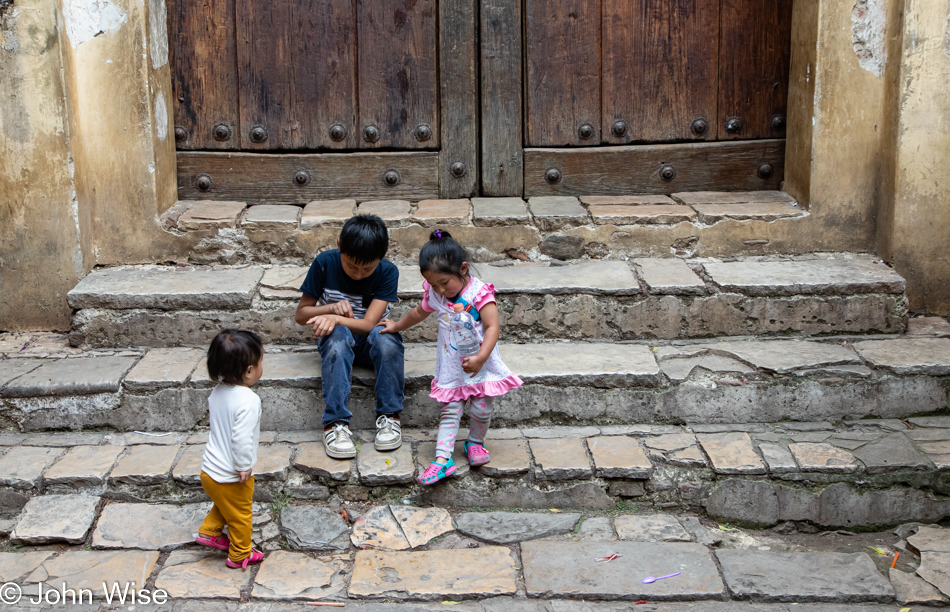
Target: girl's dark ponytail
[442, 254]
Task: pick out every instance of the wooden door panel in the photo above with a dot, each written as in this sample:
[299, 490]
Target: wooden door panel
[753, 68]
[660, 69]
[204, 76]
[398, 74]
[563, 44]
[296, 66]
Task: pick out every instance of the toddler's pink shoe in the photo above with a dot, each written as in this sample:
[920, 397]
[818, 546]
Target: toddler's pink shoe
[221, 542]
[477, 453]
[252, 559]
[436, 472]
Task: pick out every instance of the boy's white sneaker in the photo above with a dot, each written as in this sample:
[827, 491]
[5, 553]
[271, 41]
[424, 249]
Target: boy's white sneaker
[388, 433]
[338, 441]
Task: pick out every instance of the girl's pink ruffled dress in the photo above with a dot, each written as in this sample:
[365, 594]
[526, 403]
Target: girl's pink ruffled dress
[451, 382]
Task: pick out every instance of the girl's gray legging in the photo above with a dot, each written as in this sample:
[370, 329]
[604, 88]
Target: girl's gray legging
[479, 417]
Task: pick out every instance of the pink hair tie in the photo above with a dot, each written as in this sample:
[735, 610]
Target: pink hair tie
[438, 234]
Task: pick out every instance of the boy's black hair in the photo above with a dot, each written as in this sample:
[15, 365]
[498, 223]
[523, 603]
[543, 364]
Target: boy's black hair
[230, 354]
[364, 238]
[442, 254]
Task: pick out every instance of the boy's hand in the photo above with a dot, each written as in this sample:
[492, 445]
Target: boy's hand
[472, 365]
[244, 476]
[389, 326]
[344, 309]
[322, 325]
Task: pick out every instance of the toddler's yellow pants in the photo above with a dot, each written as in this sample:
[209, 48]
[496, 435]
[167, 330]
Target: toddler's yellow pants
[232, 507]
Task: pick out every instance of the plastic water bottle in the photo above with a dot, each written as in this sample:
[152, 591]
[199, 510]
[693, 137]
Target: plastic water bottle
[465, 337]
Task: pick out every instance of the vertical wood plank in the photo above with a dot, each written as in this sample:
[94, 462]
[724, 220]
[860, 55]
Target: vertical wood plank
[754, 56]
[564, 72]
[459, 97]
[660, 69]
[323, 81]
[500, 31]
[398, 75]
[204, 76]
[265, 69]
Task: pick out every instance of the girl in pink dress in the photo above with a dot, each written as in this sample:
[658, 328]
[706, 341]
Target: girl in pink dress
[474, 381]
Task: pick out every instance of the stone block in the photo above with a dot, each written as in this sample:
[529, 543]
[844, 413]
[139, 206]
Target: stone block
[273, 462]
[314, 528]
[434, 574]
[670, 276]
[930, 538]
[595, 363]
[808, 277]
[908, 356]
[751, 211]
[732, 453]
[552, 213]
[83, 466]
[491, 212]
[293, 369]
[747, 502]
[200, 574]
[287, 575]
[803, 577]
[385, 468]
[188, 468]
[670, 442]
[421, 525]
[891, 453]
[649, 214]
[823, 458]
[579, 431]
[619, 457]
[145, 464]
[96, 570]
[511, 527]
[560, 459]
[55, 518]
[393, 212]
[74, 376]
[625, 200]
[378, 529]
[594, 277]
[562, 247]
[22, 466]
[326, 213]
[167, 288]
[163, 368]
[935, 569]
[211, 215]
[170, 438]
[569, 569]
[433, 213]
[783, 356]
[508, 458]
[928, 327]
[909, 589]
[271, 217]
[940, 422]
[312, 459]
[651, 528]
[148, 526]
[283, 282]
[778, 458]
[679, 370]
[732, 197]
[11, 369]
[626, 488]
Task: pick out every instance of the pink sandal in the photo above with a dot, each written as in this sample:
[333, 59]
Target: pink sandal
[252, 559]
[477, 453]
[221, 542]
[436, 472]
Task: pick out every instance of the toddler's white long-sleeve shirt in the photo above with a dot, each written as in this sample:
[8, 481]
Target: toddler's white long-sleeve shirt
[235, 415]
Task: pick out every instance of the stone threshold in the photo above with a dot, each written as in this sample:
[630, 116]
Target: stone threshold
[736, 380]
[856, 474]
[662, 298]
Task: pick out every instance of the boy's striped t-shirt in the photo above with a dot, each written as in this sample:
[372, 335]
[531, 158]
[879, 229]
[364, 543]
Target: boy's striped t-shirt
[327, 283]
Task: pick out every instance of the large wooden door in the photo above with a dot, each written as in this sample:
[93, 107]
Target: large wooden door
[646, 96]
[337, 97]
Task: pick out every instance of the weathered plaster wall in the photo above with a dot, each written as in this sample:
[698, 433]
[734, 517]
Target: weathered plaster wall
[40, 256]
[915, 226]
[118, 87]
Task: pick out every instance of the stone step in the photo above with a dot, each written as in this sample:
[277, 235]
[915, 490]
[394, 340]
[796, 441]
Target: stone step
[161, 306]
[859, 474]
[733, 380]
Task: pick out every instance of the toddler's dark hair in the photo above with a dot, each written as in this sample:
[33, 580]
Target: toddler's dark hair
[230, 354]
[364, 238]
[442, 254]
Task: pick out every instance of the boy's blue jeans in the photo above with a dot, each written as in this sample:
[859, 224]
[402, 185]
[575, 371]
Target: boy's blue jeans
[340, 350]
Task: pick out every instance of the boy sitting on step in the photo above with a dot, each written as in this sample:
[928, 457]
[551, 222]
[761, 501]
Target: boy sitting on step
[347, 292]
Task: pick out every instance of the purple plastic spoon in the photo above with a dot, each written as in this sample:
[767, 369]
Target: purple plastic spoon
[651, 579]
